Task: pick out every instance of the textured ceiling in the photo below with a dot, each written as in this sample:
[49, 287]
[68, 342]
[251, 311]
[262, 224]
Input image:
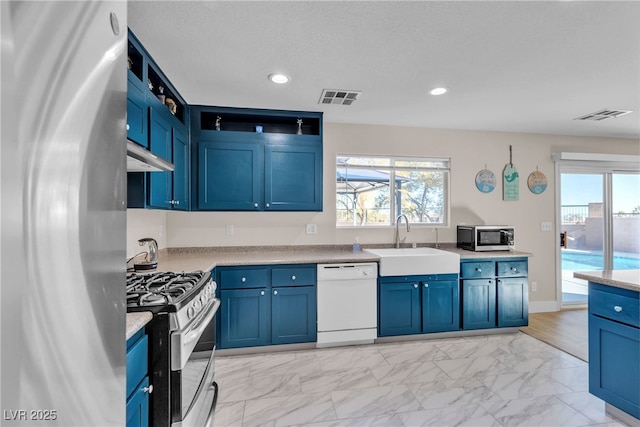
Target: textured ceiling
[514, 66]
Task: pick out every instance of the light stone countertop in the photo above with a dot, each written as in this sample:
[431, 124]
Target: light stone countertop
[206, 258]
[137, 321]
[625, 279]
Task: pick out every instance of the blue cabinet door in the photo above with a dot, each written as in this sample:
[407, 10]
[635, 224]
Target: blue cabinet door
[293, 176]
[513, 302]
[160, 143]
[293, 315]
[137, 111]
[181, 170]
[478, 304]
[614, 372]
[400, 307]
[440, 306]
[138, 406]
[230, 176]
[244, 317]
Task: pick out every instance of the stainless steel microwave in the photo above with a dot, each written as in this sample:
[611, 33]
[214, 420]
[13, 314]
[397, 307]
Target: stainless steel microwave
[486, 237]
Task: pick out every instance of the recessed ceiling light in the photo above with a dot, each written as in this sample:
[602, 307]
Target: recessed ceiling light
[278, 78]
[438, 91]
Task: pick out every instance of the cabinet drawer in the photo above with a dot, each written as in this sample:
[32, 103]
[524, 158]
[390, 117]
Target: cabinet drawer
[244, 278]
[136, 363]
[621, 308]
[294, 276]
[512, 268]
[477, 269]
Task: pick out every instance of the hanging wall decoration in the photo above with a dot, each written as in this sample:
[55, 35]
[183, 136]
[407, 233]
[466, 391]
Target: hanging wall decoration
[510, 188]
[485, 180]
[537, 182]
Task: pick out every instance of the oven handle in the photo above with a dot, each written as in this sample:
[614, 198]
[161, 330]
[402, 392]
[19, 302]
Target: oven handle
[209, 421]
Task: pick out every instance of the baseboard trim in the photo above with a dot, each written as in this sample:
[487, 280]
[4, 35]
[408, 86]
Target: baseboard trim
[543, 306]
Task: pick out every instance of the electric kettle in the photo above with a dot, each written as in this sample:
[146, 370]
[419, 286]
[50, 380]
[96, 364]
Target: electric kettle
[151, 259]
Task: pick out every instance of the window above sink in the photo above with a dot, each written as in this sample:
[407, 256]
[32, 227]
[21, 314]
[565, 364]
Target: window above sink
[373, 191]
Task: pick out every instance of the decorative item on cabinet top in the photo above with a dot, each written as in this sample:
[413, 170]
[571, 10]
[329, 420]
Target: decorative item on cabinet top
[261, 121]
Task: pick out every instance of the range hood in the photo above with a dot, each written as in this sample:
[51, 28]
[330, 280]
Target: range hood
[140, 159]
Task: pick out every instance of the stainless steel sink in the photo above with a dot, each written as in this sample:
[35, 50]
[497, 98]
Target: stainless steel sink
[415, 261]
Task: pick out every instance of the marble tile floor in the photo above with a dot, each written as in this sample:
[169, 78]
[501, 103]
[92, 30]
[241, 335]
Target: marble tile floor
[495, 380]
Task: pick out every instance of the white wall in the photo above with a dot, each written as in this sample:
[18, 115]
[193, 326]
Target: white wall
[469, 151]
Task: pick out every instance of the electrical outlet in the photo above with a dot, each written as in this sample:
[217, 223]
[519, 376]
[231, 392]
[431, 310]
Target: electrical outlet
[534, 286]
[546, 226]
[312, 229]
[229, 230]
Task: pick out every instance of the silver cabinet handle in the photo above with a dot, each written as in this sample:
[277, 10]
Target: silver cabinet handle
[514, 269]
[617, 308]
[128, 127]
[177, 202]
[415, 285]
[148, 389]
[267, 206]
[479, 270]
[426, 285]
[275, 292]
[293, 277]
[261, 292]
[255, 205]
[244, 279]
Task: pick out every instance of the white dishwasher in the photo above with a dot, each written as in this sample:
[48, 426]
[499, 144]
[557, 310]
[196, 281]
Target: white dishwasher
[347, 304]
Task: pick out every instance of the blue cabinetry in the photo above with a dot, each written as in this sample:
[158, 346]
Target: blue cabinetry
[418, 304]
[614, 347]
[138, 387]
[263, 305]
[254, 160]
[495, 293]
[160, 126]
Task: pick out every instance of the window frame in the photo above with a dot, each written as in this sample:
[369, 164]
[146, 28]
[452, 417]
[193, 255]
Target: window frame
[392, 168]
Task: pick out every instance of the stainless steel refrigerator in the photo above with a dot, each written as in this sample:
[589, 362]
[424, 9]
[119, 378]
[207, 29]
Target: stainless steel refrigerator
[62, 211]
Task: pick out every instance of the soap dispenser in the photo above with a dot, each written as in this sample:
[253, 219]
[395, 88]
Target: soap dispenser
[356, 245]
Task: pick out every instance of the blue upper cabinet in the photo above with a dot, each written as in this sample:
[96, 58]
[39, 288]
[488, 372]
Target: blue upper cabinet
[157, 119]
[257, 160]
[168, 139]
[137, 115]
[291, 172]
[230, 171]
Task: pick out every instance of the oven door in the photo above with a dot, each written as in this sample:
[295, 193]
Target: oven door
[193, 391]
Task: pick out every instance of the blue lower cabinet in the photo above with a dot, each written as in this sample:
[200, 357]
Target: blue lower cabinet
[440, 306]
[513, 302]
[263, 305]
[418, 304]
[137, 385]
[399, 308]
[244, 317]
[293, 315]
[479, 304]
[138, 406]
[614, 346]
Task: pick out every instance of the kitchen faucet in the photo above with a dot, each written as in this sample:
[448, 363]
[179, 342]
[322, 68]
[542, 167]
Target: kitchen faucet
[397, 229]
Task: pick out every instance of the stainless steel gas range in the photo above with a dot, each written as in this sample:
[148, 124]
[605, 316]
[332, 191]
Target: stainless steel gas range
[184, 308]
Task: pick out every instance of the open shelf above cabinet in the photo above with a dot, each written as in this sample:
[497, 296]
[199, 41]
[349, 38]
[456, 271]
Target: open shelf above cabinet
[260, 123]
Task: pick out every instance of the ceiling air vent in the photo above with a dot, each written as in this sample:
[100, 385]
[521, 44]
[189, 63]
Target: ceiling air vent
[339, 97]
[604, 115]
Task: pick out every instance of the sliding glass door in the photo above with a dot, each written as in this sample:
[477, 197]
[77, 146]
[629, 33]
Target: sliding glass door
[600, 225]
[582, 228]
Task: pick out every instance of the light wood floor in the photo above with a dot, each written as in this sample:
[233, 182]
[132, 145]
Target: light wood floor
[565, 329]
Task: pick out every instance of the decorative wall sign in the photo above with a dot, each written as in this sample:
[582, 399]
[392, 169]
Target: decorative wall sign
[537, 182]
[510, 188]
[485, 180]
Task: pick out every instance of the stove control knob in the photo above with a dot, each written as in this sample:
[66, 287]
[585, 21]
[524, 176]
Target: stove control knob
[203, 299]
[191, 312]
[197, 305]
